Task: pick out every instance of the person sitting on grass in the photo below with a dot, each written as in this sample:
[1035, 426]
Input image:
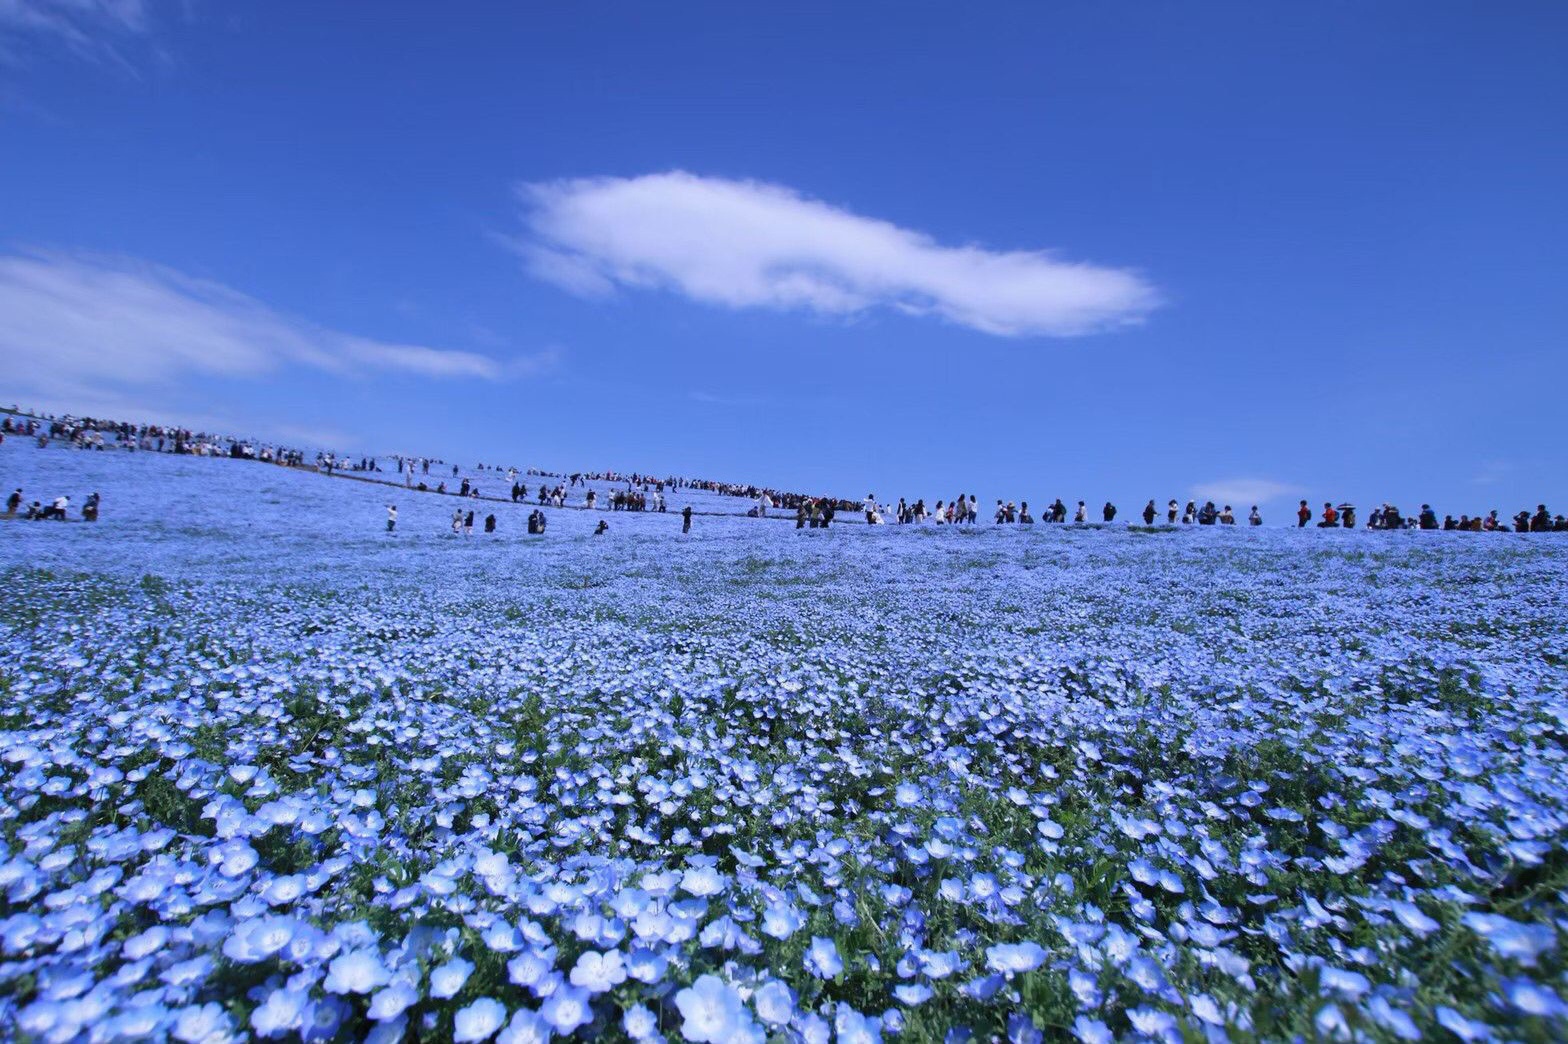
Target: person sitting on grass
[1253, 518]
[1330, 516]
[1226, 518]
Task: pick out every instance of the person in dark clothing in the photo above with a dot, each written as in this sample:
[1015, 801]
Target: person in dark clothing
[1209, 513]
[800, 515]
[1542, 521]
[1428, 517]
[90, 508]
[1109, 511]
[1024, 518]
[1253, 517]
[463, 489]
[489, 523]
[827, 514]
[602, 528]
[686, 519]
[13, 502]
[1522, 522]
[1303, 515]
[1149, 513]
[1449, 524]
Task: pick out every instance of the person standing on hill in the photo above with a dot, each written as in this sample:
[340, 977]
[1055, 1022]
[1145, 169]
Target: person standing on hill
[1109, 511]
[490, 523]
[686, 519]
[1254, 519]
[457, 521]
[1303, 515]
[13, 502]
[468, 524]
[1170, 512]
[391, 517]
[1149, 512]
[1081, 514]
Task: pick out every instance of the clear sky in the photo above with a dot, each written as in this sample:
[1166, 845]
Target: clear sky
[1110, 250]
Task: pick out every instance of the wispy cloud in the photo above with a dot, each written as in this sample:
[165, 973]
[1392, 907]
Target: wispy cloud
[1245, 490]
[90, 328]
[749, 244]
[94, 29]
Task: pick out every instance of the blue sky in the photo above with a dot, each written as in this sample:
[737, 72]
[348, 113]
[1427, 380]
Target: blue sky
[1081, 250]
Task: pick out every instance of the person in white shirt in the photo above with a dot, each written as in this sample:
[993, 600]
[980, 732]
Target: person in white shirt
[871, 508]
[391, 517]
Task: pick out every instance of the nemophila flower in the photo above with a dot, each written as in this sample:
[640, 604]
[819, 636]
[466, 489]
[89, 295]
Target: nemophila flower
[703, 881]
[781, 920]
[1513, 939]
[912, 993]
[1205, 1008]
[526, 1027]
[775, 1003]
[449, 978]
[283, 1011]
[1010, 958]
[259, 938]
[639, 1022]
[1411, 916]
[710, 1010]
[529, 966]
[204, 1024]
[1154, 1024]
[598, 972]
[478, 1021]
[1532, 998]
[1091, 1031]
[1022, 1030]
[566, 1008]
[1343, 981]
[391, 1001]
[853, 1027]
[358, 971]
[145, 943]
[1392, 1019]
[822, 959]
[1461, 1027]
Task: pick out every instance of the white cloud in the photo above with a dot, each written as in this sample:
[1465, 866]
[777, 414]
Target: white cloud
[91, 28]
[78, 329]
[746, 244]
[1245, 491]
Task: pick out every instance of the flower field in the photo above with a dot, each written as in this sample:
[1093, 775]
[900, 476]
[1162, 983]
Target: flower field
[266, 771]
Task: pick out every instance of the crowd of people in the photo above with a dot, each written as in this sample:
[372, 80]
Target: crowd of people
[641, 492]
[1388, 516]
[58, 509]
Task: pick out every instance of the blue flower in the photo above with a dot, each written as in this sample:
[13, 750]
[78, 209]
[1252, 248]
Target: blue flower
[822, 959]
[711, 1011]
[478, 1021]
